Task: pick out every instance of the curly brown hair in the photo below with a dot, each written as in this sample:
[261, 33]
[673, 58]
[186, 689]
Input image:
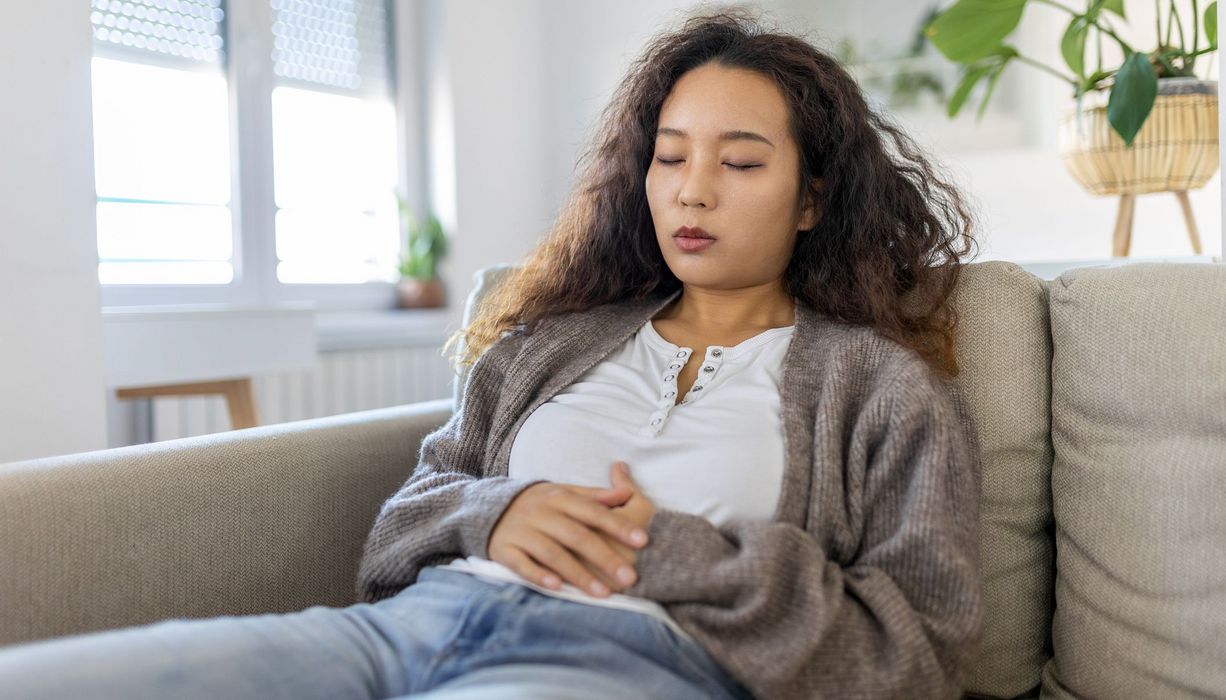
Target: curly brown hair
[886, 251]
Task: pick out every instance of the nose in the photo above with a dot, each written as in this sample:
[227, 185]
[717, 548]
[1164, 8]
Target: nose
[696, 189]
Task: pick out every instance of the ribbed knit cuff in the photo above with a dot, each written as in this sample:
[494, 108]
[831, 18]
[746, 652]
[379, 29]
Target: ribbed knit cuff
[680, 548]
[487, 499]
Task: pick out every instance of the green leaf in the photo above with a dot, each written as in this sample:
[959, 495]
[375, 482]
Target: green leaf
[970, 77]
[1116, 6]
[987, 95]
[1211, 24]
[1000, 60]
[1132, 96]
[1094, 79]
[973, 29]
[990, 67]
[1073, 45]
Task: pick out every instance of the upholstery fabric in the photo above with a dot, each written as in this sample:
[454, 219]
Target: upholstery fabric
[1003, 350]
[1139, 480]
[266, 519]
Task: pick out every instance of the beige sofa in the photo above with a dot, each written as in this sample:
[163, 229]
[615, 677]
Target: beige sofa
[1100, 399]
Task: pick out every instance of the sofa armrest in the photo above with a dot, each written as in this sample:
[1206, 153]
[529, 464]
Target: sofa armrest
[268, 519]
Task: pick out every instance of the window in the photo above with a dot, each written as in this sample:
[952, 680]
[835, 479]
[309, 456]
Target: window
[334, 148]
[245, 151]
[161, 144]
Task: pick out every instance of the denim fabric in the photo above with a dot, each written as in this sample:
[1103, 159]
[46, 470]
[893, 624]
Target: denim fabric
[450, 636]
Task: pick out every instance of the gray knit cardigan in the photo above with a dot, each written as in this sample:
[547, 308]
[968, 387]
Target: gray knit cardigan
[864, 584]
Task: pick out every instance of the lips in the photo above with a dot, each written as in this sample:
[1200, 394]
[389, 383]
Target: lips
[692, 232]
[688, 244]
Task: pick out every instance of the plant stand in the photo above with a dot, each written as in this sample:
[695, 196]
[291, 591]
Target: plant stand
[1122, 240]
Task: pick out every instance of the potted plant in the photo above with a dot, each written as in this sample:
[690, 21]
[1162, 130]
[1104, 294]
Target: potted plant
[419, 286]
[1147, 125]
[905, 80]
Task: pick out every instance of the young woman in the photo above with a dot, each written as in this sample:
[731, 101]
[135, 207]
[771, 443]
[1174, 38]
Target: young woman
[707, 447]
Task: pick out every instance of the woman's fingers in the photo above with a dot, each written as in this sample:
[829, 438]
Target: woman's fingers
[596, 570]
[557, 558]
[522, 564]
[591, 547]
[610, 497]
[564, 530]
[597, 516]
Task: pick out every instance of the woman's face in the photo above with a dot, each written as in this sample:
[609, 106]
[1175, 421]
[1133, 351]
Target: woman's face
[725, 162]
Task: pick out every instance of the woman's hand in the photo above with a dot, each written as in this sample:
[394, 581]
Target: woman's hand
[553, 523]
[637, 508]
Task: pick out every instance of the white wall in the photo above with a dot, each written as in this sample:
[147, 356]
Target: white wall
[528, 80]
[52, 394]
[487, 132]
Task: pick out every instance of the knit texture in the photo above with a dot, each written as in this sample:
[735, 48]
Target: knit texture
[864, 584]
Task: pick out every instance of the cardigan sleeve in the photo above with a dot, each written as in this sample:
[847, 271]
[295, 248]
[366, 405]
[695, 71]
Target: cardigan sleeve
[448, 506]
[900, 620]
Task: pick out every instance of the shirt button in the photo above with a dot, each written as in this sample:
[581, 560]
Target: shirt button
[669, 377]
[697, 388]
[669, 394]
[656, 422]
[708, 368]
[674, 366]
[681, 354]
[717, 352]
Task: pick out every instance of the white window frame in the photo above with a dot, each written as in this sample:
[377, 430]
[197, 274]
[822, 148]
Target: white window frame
[250, 78]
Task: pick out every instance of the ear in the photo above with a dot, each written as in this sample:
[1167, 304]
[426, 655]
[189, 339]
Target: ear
[812, 211]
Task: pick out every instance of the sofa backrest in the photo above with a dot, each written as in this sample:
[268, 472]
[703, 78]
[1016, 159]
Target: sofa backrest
[1139, 481]
[1003, 348]
[484, 280]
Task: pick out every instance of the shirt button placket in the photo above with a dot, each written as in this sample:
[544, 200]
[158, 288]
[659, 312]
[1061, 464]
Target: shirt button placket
[708, 370]
[669, 391]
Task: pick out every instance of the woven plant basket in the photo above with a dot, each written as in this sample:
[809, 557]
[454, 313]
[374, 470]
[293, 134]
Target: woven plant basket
[1175, 150]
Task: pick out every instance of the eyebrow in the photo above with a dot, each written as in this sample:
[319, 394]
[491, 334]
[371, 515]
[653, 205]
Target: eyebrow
[726, 136]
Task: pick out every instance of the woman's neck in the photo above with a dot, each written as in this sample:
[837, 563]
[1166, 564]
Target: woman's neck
[721, 312]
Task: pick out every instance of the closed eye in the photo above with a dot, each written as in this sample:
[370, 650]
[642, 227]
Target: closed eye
[731, 165]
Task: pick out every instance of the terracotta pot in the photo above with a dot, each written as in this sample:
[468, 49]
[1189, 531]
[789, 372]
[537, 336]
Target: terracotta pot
[414, 293]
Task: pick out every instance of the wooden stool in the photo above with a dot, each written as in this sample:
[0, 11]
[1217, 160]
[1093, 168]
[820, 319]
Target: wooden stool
[239, 397]
[1122, 240]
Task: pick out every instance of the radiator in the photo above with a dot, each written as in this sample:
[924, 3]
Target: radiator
[345, 381]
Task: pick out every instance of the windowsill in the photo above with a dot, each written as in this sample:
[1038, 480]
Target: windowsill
[381, 328]
[159, 311]
[148, 345]
[334, 330]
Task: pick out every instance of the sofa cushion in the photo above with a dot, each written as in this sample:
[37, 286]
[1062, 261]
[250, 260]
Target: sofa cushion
[1003, 350]
[484, 280]
[1139, 477]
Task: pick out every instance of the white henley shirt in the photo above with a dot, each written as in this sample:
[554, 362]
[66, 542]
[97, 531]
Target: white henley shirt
[718, 454]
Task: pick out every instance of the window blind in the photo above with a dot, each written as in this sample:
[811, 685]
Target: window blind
[334, 142]
[184, 29]
[340, 44]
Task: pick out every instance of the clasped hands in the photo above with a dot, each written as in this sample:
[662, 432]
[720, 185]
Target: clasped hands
[587, 536]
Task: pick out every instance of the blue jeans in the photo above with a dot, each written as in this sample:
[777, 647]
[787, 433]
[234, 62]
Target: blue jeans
[448, 636]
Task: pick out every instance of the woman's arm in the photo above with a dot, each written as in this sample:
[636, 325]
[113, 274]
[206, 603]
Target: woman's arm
[901, 620]
[447, 508]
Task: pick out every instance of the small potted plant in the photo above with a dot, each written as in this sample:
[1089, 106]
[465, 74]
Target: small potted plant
[419, 286]
[1147, 125]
